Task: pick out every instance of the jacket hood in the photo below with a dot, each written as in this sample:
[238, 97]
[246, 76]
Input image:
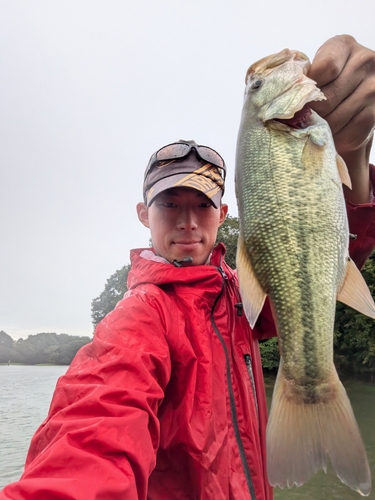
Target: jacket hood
[158, 272]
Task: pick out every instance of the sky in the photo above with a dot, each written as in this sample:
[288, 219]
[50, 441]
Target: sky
[88, 91]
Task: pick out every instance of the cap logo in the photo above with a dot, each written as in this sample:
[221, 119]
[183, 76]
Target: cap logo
[202, 178]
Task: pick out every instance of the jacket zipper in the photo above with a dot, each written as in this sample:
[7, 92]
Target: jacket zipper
[249, 367]
[245, 465]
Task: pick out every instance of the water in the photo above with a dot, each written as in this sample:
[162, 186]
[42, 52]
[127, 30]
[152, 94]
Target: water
[25, 394]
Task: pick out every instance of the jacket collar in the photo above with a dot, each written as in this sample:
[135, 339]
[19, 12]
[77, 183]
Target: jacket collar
[146, 267]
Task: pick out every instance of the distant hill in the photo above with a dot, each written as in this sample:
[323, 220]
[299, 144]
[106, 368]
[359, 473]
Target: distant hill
[53, 348]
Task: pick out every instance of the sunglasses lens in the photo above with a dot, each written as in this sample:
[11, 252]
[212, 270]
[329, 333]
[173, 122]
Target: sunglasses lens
[211, 156]
[180, 150]
[172, 151]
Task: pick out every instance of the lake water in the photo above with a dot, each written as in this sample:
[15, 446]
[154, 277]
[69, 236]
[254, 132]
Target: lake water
[25, 394]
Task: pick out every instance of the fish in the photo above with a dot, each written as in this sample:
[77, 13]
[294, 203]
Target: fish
[293, 248]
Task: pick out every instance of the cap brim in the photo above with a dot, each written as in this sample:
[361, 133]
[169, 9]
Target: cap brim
[192, 181]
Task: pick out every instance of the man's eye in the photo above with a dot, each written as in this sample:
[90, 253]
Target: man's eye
[168, 204]
[205, 205]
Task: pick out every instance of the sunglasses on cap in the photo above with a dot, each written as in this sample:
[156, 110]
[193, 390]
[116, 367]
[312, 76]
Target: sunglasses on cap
[179, 150]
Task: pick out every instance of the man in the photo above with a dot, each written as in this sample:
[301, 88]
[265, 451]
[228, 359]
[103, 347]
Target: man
[168, 401]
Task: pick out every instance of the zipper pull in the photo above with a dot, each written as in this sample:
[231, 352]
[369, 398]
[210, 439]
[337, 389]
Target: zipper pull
[222, 272]
[239, 307]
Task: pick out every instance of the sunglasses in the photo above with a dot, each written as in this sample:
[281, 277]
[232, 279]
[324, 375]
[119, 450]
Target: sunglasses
[178, 150]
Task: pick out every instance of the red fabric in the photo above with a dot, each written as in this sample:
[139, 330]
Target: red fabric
[362, 226]
[144, 409]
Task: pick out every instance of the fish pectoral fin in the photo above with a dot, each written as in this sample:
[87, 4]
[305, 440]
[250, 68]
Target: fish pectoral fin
[314, 152]
[355, 292]
[252, 294]
[343, 172]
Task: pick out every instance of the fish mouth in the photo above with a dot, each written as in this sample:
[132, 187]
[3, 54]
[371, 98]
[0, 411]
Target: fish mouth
[301, 119]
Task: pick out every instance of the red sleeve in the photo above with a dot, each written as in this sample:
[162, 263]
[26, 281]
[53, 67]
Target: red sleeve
[362, 226]
[100, 438]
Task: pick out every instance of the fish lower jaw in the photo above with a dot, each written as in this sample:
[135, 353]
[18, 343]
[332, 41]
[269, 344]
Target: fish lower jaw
[302, 119]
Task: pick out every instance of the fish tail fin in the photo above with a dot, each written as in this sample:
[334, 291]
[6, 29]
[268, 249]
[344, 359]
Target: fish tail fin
[301, 435]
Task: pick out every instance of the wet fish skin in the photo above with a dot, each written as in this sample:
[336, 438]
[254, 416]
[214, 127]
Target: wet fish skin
[293, 248]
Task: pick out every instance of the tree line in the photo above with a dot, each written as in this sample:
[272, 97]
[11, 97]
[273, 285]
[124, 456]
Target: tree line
[49, 348]
[354, 333]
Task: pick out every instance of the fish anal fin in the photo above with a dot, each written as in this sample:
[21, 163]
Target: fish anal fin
[343, 172]
[304, 431]
[355, 292]
[252, 294]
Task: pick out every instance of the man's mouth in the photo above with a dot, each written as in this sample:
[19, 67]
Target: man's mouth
[186, 242]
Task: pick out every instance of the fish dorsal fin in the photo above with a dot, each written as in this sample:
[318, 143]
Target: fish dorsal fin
[355, 293]
[343, 172]
[253, 296]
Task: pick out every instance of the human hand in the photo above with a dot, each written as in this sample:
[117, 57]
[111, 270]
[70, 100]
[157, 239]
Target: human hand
[345, 72]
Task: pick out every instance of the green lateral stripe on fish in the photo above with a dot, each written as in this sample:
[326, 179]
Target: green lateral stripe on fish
[293, 248]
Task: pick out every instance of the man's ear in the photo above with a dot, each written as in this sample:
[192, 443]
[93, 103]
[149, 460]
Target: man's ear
[142, 212]
[223, 213]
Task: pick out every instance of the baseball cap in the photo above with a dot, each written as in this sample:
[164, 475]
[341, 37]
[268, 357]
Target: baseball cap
[185, 164]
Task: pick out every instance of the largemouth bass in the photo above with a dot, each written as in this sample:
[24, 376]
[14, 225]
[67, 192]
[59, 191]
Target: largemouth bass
[293, 248]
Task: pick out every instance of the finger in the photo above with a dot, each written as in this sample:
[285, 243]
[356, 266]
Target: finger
[331, 58]
[363, 96]
[359, 70]
[356, 132]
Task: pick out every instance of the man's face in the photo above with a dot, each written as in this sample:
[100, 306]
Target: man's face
[183, 223]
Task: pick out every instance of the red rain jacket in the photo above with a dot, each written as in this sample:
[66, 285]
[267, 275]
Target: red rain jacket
[167, 402]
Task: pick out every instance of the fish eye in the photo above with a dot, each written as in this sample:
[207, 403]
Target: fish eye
[256, 85]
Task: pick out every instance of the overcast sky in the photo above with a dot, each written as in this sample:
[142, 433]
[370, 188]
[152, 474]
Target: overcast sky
[88, 90]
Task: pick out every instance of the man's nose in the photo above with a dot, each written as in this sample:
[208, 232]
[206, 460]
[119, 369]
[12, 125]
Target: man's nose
[187, 219]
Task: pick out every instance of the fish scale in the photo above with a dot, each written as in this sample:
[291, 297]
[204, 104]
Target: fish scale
[293, 248]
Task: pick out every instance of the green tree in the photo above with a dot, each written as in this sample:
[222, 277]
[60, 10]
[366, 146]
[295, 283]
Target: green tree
[5, 340]
[6, 347]
[269, 351]
[354, 337]
[51, 348]
[113, 291]
[69, 346]
[25, 352]
[228, 234]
